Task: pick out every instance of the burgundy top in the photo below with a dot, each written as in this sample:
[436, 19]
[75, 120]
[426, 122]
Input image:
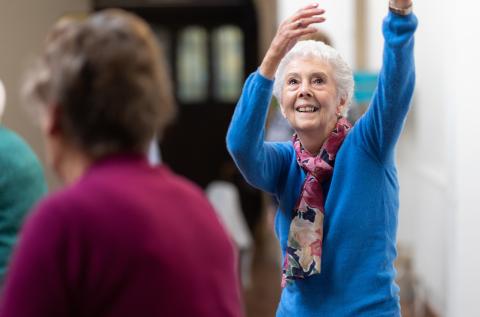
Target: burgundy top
[126, 240]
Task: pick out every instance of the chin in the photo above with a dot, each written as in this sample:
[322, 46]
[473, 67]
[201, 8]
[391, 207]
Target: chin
[309, 127]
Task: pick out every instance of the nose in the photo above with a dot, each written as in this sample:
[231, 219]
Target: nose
[304, 91]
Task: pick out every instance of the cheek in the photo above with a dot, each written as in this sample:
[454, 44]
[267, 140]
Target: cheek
[332, 100]
[54, 153]
[288, 98]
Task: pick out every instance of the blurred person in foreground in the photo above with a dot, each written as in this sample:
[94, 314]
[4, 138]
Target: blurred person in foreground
[336, 185]
[122, 238]
[22, 184]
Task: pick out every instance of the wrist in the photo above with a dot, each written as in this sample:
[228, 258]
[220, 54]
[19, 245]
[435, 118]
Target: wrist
[401, 7]
[268, 67]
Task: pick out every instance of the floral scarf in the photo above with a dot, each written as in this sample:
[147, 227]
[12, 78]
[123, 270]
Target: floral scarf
[304, 246]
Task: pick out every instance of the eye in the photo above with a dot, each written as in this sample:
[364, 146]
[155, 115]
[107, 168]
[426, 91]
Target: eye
[292, 81]
[318, 81]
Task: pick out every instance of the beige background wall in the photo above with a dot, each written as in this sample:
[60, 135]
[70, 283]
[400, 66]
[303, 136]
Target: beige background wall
[23, 25]
[267, 19]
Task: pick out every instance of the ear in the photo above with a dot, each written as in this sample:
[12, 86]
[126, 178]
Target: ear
[51, 123]
[341, 105]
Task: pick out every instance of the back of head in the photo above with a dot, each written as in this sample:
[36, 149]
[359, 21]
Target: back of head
[107, 77]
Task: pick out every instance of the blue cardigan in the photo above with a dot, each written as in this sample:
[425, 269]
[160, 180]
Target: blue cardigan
[361, 207]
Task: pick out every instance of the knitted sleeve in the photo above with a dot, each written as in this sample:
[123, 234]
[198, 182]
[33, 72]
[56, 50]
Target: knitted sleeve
[260, 162]
[382, 124]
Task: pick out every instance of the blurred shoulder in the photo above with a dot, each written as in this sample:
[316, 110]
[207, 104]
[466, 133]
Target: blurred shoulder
[15, 152]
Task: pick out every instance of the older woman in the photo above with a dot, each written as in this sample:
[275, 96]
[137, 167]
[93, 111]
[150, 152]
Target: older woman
[336, 185]
[123, 238]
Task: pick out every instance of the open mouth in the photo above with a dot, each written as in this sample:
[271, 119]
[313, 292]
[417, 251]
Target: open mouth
[307, 108]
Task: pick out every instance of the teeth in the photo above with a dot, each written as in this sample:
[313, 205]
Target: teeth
[306, 109]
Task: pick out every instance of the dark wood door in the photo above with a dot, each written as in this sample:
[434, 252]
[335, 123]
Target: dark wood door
[211, 47]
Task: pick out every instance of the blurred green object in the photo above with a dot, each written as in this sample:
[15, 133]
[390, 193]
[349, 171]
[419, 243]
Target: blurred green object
[365, 84]
[22, 184]
[2, 99]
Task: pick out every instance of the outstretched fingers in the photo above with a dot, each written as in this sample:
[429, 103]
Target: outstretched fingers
[308, 13]
[295, 34]
[306, 22]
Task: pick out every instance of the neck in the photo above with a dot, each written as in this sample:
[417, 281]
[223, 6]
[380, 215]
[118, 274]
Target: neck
[311, 144]
[313, 141]
[72, 166]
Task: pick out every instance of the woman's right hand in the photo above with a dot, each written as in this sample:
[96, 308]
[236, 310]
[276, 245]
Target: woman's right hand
[287, 36]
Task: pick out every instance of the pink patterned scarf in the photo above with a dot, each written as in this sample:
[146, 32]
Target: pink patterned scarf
[304, 246]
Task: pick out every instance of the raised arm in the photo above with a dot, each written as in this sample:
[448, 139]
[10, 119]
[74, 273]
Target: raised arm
[261, 162]
[383, 122]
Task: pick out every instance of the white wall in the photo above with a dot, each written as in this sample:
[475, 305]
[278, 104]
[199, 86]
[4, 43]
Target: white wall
[463, 64]
[23, 26]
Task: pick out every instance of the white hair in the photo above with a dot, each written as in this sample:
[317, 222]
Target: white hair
[342, 73]
[2, 99]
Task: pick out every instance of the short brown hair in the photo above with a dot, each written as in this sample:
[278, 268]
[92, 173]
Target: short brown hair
[108, 77]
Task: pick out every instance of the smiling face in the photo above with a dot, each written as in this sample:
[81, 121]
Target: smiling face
[309, 96]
